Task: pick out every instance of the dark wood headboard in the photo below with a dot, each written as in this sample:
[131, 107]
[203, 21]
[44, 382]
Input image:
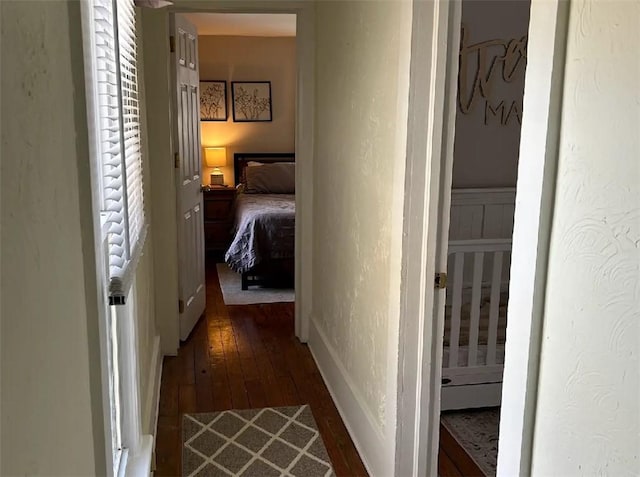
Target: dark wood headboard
[240, 160]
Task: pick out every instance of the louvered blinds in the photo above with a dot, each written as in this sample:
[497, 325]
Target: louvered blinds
[130, 118]
[120, 145]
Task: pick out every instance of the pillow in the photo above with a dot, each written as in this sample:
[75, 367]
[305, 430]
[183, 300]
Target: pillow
[254, 163]
[277, 178]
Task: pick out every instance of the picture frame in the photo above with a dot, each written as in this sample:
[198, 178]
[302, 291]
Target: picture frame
[213, 101]
[251, 101]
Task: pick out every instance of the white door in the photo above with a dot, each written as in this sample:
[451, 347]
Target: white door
[188, 181]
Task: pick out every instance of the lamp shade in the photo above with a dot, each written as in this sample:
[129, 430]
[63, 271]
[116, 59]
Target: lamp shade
[215, 156]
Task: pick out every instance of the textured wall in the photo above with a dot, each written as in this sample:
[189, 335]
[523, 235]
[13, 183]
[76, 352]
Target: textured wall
[160, 172]
[145, 285]
[486, 155]
[238, 58]
[358, 185]
[49, 324]
[146, 327]
[588, 417]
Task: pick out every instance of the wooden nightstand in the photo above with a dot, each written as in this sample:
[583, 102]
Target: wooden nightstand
[218, 220]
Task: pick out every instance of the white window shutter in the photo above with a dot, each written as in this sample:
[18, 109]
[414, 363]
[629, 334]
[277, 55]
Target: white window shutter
[120, 142]
[132, 148]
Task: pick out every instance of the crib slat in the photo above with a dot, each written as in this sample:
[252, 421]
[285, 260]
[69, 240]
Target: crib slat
[476, 294]
[456, 307]
[494, 308]
[454, 222]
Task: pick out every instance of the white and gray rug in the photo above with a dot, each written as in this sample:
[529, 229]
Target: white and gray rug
[265, 442]
[477, 432]
[233, 294]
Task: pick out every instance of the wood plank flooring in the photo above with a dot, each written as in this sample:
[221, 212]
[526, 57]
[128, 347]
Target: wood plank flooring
[246, 356]
[453, 460]
[241, 357]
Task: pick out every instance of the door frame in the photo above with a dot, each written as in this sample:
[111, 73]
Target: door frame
[432, 94]
[304, 134]
[427, 205]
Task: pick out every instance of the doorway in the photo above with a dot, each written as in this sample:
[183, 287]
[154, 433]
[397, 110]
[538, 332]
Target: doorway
[436, 40]
[492, 62]
[156, 56]
[247, 73]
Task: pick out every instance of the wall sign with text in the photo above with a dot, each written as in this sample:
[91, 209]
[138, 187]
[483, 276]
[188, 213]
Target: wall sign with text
[483, 67]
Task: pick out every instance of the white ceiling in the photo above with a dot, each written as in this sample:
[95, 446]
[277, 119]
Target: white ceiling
[243, 24]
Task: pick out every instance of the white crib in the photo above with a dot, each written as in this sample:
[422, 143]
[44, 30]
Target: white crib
[475, 319]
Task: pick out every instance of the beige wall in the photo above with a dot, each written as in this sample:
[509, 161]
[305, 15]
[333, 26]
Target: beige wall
[238, 58]
[51, 395]
[486, 155]
[587, 420]
[146, 331]
[160, 173]
[360, 150]
[145, 284]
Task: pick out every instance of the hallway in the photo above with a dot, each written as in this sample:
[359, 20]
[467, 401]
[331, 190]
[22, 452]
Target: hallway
[242, 357]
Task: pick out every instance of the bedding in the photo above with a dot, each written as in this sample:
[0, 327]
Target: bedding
[276, 178]
[264, 230]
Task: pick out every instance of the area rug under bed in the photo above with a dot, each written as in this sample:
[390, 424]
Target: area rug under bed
[265, 442]
[233, 294]
[477, 432]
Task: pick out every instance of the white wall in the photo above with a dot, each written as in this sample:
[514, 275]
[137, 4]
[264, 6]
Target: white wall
[51, 416]
[486, 152]
[362, 78]
[587, 420]
[242, 58]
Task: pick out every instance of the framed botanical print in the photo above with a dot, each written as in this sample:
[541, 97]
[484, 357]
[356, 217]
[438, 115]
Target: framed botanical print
[251, 101]
[213, 101]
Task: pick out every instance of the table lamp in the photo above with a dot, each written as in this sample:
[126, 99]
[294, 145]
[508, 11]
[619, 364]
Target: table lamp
[216, 157]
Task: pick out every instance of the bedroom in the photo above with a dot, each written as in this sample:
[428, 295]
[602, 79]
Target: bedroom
[247, 70]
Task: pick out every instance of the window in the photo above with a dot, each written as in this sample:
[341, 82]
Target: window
[118, 123]
[109, 35]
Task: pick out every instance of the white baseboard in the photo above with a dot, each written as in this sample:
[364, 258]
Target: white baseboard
[471, 396]
[364, 431]
[151, 400]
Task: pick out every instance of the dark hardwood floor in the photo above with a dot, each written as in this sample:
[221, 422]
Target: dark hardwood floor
[246, 356]
[240, 357]
[453, 460]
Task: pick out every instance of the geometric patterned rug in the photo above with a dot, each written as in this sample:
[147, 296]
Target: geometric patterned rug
[477, 432]
[265, 442]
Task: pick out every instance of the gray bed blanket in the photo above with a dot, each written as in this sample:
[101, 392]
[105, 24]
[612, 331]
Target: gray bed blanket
[264, 229]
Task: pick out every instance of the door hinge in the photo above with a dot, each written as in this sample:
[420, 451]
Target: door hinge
[440, 280]
[176, 160]
[181, 306]
[172, 44]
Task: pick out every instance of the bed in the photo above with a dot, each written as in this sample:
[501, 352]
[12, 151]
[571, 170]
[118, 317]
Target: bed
[263, 245]
[477, 293]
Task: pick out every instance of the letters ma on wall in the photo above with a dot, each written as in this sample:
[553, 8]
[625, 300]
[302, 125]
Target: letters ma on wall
[483, 66]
